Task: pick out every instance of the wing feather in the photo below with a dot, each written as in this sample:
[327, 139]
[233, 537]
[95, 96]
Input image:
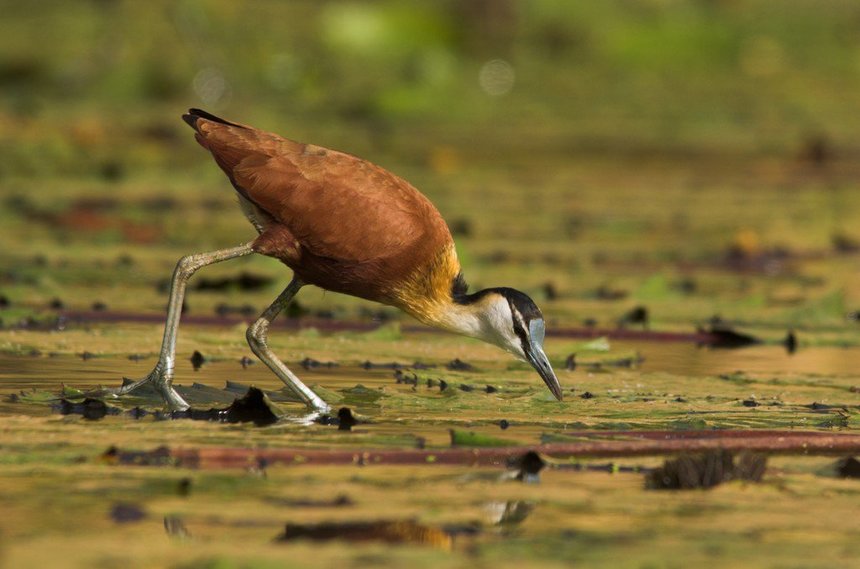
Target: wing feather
[336, 205]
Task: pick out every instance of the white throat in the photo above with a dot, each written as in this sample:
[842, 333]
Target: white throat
[488, 319]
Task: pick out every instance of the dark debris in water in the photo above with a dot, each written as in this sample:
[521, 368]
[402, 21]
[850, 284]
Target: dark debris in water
[387, 365]
[816, 406]
[845, 244]
[848, 467]
[395, 365]
[244, 281]
[459, 365]
[387, 531]
[411, 378]
[637, 315]
[437, 382]
[197, 360]
[570, 364]
[157, 457]
[528, 467]
[253, 407]
[790, 342]
[346, 419]
[125, 513]
[722, 335]
[339, 501]
[310, 363]
[223, 309]
[606, 292]
[706, 470]
[91, 409]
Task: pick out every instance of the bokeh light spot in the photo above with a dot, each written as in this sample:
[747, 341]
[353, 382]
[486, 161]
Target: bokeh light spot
[496, 77]
[211, 86]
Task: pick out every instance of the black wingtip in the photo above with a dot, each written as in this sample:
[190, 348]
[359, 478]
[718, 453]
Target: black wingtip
[194, 115]
[191, 120]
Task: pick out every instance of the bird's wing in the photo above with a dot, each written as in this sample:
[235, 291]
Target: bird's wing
[336, 205]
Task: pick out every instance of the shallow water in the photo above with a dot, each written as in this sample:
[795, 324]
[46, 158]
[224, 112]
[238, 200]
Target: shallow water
[688, 359]
[674, 388]
[21, 373]
[25, 372]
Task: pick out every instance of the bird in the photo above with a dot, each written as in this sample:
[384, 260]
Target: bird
[345, 225]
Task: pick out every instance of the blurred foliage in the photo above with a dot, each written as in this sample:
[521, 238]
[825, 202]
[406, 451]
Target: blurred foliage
[725, 76]
[699, 156]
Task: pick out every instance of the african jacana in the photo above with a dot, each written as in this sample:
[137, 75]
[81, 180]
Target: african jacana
[348, 226]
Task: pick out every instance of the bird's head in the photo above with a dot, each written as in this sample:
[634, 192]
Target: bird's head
[512, 321]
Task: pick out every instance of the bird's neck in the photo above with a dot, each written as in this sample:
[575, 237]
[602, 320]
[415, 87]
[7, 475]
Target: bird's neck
[455, 317]
[429, 292]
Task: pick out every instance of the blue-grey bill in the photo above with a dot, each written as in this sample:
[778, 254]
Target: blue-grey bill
[538, 358]
[540, 362]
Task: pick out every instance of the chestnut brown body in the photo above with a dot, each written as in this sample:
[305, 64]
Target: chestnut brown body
[340, 222]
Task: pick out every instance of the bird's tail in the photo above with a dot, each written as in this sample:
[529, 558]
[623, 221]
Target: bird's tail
[195, 115]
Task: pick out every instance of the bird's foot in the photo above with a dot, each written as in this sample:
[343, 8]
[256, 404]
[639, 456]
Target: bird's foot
[160, 379]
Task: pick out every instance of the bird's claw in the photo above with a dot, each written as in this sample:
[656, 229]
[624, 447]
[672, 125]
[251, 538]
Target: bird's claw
[159, 380]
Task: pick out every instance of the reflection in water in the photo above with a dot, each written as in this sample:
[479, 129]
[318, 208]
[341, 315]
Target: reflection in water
[508, 513]
[175, 528]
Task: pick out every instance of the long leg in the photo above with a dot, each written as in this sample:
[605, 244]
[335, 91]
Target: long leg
[257, 338]
[162, 375]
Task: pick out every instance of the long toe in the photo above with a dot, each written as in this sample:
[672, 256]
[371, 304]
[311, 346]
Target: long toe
[174, 400]
[158, 382]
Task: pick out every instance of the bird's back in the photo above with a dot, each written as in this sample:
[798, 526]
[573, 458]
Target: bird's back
[338, 221]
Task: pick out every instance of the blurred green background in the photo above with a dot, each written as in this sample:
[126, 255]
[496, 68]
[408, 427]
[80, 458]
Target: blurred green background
[86, 84]
[699, 156]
